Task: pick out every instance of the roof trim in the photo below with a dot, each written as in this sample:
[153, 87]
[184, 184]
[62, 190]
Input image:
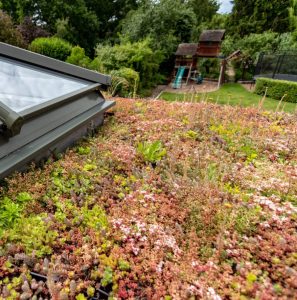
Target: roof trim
[16, 159]
[52, 64]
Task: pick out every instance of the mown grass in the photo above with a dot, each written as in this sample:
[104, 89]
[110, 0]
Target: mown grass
[232, 94]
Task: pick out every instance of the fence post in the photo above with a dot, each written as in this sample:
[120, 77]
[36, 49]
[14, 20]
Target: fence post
[258, 68]
[277, 66]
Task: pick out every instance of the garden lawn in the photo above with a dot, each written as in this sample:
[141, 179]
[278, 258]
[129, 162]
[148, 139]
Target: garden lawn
[233, 94]
[167, 201]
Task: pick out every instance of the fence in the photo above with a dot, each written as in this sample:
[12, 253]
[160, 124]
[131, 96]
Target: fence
[281, 65]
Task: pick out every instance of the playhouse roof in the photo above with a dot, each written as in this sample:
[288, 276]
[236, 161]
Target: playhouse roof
[44, 104]
[186, 49]
[212, 35]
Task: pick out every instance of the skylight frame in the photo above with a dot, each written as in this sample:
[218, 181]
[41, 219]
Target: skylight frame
[11, 122]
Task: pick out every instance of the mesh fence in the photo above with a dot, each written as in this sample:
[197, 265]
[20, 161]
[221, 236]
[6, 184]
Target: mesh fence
[277, 66]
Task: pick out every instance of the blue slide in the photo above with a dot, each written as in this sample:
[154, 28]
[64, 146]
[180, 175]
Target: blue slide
[178, 79]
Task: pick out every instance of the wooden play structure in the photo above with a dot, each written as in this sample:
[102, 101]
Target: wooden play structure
[185, 63]
[235, 55]
[187, 55]
[210, 43]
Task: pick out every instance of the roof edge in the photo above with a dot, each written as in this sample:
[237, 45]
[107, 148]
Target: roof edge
[52, 64]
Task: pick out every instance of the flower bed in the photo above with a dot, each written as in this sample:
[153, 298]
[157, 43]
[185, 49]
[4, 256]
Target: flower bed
[167, 201]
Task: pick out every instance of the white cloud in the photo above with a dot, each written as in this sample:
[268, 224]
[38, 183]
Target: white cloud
[226, 6]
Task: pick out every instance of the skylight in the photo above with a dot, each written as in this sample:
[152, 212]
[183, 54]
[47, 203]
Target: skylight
[45, 106]
[23, 86]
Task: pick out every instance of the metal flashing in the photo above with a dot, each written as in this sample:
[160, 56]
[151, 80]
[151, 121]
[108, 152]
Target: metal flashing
[39, 147]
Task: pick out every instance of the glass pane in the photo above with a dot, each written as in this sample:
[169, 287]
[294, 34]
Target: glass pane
[23, 87]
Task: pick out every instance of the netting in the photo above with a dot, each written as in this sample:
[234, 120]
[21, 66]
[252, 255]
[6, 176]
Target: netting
[282, 65]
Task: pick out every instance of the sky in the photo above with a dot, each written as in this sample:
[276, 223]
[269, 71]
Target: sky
[225, 7]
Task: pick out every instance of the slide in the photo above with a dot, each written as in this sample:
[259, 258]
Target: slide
[178, 79]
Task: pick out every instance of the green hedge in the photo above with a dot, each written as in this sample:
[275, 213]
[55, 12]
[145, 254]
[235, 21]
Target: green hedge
[53, 47]
[277, 89]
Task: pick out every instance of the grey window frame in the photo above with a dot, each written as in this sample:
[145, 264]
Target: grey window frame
[12, 122]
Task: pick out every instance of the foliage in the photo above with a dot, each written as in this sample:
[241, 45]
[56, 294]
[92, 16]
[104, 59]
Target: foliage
[209, 67]
[137, 56]
[33, 234]
[8, 32]
[10, 212]
[125, 82]
[53, 47]
[78, 57]
[252, 45]
[107, 277]
[287, 41]
[249, 16]
[277, 89]
[30, 31]
[222, 202]
[81, 22]
[124, 265]
[151, 152]
[293, 17]
[166, 23]
[204, 9]
[94, 218]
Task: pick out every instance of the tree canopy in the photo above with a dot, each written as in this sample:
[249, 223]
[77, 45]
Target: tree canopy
[257, 16]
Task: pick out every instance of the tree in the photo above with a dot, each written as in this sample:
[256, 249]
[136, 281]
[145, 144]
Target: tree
[166, 22]
[204, 9]
[293, 17]
[30, 31]
[256, 16]
[8, 32]
[82, 22]
[110, 13]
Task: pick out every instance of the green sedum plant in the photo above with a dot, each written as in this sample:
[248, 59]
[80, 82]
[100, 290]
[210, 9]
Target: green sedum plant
[9, 213]
[33, 234]
[107, 276]
[151, 152]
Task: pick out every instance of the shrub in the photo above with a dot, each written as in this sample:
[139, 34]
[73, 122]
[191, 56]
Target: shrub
[137, 56]
[30, 31]
[125, 82]
[78, 57]
[276, 89]
[8, 33]
[53, 47]
[210, 67]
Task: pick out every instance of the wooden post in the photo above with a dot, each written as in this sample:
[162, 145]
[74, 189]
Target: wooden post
[222, 73]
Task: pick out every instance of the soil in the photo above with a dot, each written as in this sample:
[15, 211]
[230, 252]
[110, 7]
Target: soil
[205, 87]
